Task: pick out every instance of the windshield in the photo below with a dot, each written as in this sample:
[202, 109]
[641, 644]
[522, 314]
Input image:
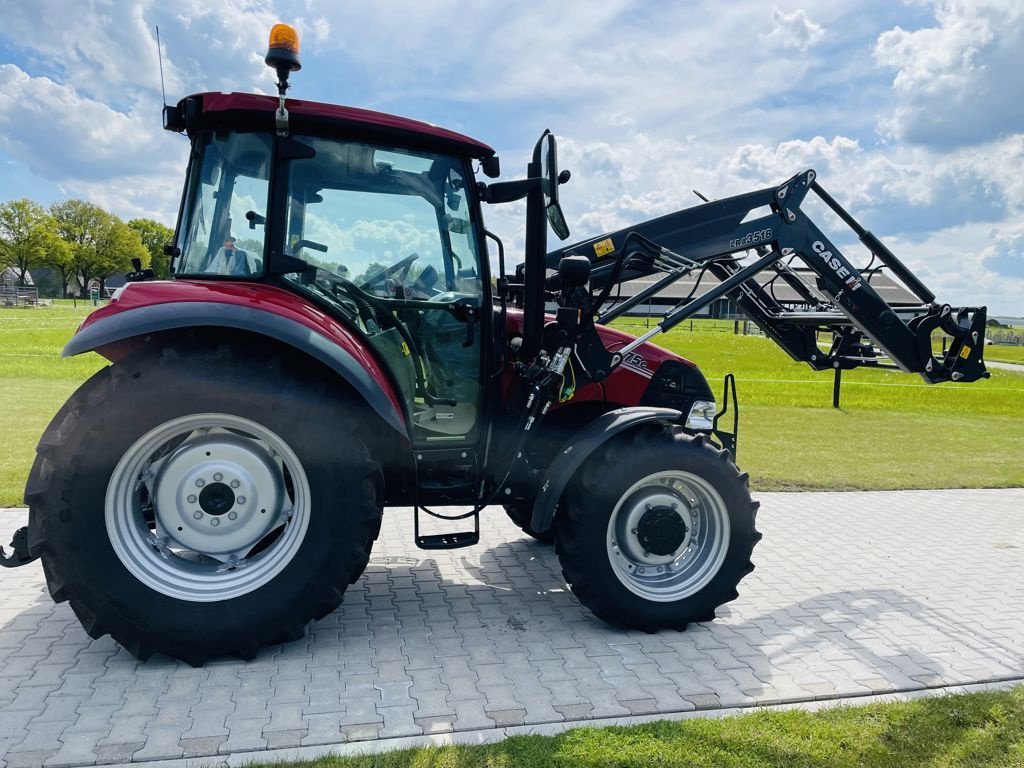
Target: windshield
[227, 206]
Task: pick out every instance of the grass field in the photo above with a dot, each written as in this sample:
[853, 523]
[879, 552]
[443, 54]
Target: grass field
[1005, 354]
[983, 730]
[893, 431]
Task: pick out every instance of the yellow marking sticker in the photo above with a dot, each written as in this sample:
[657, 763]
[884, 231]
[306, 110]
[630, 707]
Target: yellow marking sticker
[405, 350]
[604, 247]
[965, 352]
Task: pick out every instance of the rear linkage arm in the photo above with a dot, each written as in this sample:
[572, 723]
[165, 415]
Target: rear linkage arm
[19, 551]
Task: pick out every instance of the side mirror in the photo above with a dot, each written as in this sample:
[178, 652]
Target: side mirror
[552, 179]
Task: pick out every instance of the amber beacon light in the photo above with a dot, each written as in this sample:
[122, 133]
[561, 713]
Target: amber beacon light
[283, 50]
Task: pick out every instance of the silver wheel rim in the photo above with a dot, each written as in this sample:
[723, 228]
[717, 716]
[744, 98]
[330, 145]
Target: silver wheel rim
[207, 507]
[688, 503]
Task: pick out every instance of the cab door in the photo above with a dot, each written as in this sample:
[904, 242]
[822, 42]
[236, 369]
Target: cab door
[391, 230]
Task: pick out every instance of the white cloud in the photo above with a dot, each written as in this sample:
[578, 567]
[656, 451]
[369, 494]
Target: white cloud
[794, 30]
[59, 134]
[960, 81]
[1005, 255]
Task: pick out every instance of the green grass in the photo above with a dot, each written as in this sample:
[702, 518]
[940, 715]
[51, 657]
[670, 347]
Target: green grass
[1004, 353]
[35, 381]
[977, 730]
[893, 431]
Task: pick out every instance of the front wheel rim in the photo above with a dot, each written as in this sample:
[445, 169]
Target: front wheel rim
[207, 507]
[668, 536]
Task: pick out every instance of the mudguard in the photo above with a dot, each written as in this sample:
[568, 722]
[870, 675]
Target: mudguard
[563, 467]
[146, 319]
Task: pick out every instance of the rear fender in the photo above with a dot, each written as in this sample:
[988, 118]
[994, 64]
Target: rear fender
[564, 466]
[110, 330]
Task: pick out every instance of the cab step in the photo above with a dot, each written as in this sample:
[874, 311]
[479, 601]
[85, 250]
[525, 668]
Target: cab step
[450, 539]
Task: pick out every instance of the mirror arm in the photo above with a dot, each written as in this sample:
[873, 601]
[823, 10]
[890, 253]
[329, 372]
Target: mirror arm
[507, 191]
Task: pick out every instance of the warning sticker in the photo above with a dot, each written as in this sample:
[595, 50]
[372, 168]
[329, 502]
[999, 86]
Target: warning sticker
[965, 352]
[405, 350]
[604, 247]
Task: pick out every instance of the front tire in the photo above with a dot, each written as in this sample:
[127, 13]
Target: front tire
[520, 514]
[658, 530]
[204, 502]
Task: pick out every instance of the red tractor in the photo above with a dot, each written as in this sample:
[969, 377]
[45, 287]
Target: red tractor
[333, 341]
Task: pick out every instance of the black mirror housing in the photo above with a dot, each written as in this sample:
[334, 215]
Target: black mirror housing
[574, 271]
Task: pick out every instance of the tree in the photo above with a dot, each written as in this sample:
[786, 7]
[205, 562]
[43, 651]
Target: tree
[25, 234]
[59, 258]
[101, 244]
[155, 236]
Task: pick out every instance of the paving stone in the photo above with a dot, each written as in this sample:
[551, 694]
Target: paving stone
[32, 759]
[117, 753]
[201, 747]
[507, 717]
[162, 743]
[365, 732]
[284, 739]
[245, 733]
[323, 729]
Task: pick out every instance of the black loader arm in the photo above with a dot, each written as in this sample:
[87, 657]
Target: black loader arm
[832, 296]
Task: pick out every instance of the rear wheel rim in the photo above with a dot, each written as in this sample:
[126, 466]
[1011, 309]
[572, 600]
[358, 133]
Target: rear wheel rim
[668, 536]
[207, 507]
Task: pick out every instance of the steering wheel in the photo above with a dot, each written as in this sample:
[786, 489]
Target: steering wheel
[401, 267]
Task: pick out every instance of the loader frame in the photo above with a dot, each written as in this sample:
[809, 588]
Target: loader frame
[866, 330]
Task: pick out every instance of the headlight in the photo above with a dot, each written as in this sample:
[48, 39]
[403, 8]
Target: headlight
[702, 415]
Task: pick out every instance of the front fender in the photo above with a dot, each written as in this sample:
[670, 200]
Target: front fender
[353, 364]
[563, 467]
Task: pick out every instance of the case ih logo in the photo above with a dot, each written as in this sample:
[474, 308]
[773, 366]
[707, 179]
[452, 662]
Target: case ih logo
[853, 283]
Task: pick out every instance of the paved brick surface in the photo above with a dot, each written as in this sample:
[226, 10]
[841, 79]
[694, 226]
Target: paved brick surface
[853, 594]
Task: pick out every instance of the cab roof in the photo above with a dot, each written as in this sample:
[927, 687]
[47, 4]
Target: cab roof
[254, 111]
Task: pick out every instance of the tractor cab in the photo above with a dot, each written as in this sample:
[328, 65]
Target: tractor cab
[384, 236]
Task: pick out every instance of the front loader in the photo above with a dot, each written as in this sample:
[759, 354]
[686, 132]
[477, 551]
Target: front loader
[332, 342]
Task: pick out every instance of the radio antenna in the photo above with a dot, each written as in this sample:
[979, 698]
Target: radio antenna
[160, 58]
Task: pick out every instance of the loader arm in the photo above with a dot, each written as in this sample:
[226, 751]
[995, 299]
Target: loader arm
[834, 297]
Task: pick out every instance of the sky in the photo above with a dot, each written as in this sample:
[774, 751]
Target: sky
[912, 113]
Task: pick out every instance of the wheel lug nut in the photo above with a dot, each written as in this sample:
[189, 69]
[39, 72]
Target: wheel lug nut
[200, 483]
[234, 483]
[232, 515]
[639, 570]
[218, 476]
[197, 515]
[215, 521]
[191, 498]
[241, 499]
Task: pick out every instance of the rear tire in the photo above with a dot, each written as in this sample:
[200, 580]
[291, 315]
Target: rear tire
[150, 550]
[658, 530]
